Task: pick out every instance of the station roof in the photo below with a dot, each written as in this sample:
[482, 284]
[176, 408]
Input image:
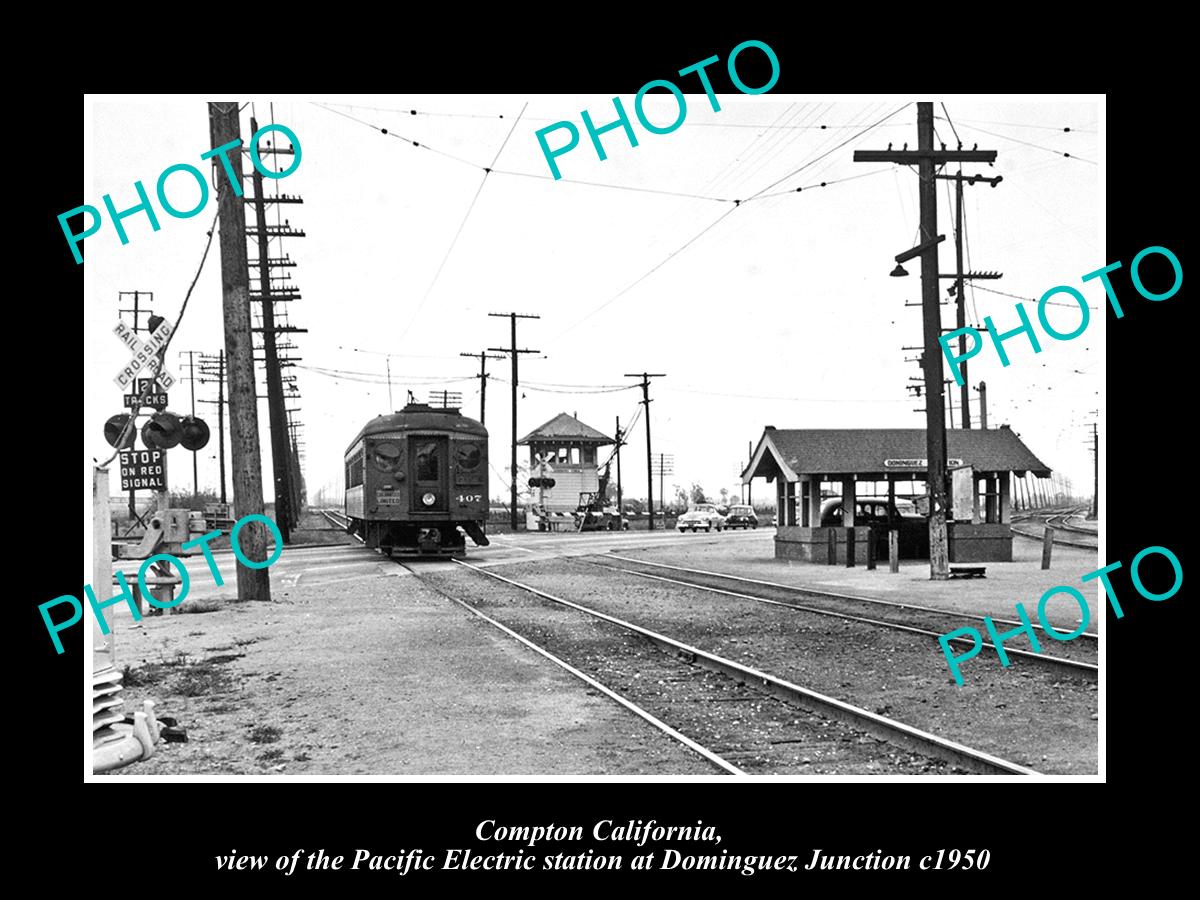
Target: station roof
[885, 451]
[566, 428]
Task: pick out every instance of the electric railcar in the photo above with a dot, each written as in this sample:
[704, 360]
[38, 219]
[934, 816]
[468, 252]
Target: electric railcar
[416, 480]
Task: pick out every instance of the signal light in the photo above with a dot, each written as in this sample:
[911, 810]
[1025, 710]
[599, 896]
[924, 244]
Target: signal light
[162, 432]
[195, 433]
[542, 482]
[113, 428]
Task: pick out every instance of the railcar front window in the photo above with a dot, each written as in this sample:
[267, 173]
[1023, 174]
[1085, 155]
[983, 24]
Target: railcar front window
[468, 456]
[427, 462]
[386, 457]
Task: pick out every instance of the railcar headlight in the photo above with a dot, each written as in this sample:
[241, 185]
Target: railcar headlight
[428, 499]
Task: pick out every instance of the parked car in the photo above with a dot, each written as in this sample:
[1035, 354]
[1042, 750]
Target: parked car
[741, 517]
[873, 511]
[702, 515]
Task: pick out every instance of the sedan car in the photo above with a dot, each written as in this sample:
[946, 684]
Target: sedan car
[702, 515]
[741, 517]
[873, 511]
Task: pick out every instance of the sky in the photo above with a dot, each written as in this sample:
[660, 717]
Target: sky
[777, 310]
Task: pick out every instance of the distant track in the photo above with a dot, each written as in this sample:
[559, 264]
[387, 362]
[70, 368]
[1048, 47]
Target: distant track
[694, 578]
[1059, 520]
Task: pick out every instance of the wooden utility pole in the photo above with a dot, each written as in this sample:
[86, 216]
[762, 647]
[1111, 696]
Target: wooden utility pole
[927, 160]
[221, 418]
[1096, 477]
[646, 376]
[212, 368]
[620, 503]
[191, 377]
[483, 377]
[280, 450]
[983, 405]
[514, 353]
[253, 584]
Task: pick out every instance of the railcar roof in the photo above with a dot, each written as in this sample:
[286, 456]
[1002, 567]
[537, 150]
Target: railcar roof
[421, 417]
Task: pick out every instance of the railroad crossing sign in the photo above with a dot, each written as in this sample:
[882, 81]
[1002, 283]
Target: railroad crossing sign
[143, 469]
[158, 399]
[144, 354]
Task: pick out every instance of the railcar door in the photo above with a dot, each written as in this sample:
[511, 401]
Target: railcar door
[430, 480]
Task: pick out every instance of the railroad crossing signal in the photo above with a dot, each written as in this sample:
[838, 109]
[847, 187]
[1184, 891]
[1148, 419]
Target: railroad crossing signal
[195, 433]
[162, 431]
[113, 428]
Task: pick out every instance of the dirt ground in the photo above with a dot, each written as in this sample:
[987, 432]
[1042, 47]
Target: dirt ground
[368, 672]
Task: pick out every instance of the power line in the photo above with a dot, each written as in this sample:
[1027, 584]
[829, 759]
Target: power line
[717, 221]
[1030, 299]
[400, 137]
[492, 170]
[1014, 140]
[615, 187]
[951, 121]
[461, 225]
[418, 112]
[1061, 128]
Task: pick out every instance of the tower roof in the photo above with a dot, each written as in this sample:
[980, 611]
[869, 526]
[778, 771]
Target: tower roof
[566, 428]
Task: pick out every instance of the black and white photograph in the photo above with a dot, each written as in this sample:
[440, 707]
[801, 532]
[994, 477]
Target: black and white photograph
[693, 433]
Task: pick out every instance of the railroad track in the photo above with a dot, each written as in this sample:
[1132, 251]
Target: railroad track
[338, 519]
[755, 687]
[889, 731]
[863, 610]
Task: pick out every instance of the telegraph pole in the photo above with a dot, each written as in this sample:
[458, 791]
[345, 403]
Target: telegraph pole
[983, 405]
[280, 453]
[646, 376]
[514, 353]
[960, 275]
[1096, 481]
[483, 377]
[927, 160]
[253, 584]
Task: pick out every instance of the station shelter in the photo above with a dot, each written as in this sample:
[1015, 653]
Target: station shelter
[810, 466]
[565, 450]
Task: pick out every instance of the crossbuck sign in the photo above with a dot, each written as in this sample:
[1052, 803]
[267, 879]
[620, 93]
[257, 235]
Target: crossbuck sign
[144, 354]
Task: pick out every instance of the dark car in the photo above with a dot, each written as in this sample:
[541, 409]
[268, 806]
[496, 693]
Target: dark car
[873, 511]
[741, 517]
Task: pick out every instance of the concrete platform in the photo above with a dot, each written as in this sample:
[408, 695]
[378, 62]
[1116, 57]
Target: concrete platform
[1023, 579]
[357, 668]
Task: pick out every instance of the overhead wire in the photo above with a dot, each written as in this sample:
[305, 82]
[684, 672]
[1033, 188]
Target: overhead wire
[493, 170]
[418, 112]
[1014, 140]
[757, 195]
[461, 225]
[1031, 299]
[952, 128]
